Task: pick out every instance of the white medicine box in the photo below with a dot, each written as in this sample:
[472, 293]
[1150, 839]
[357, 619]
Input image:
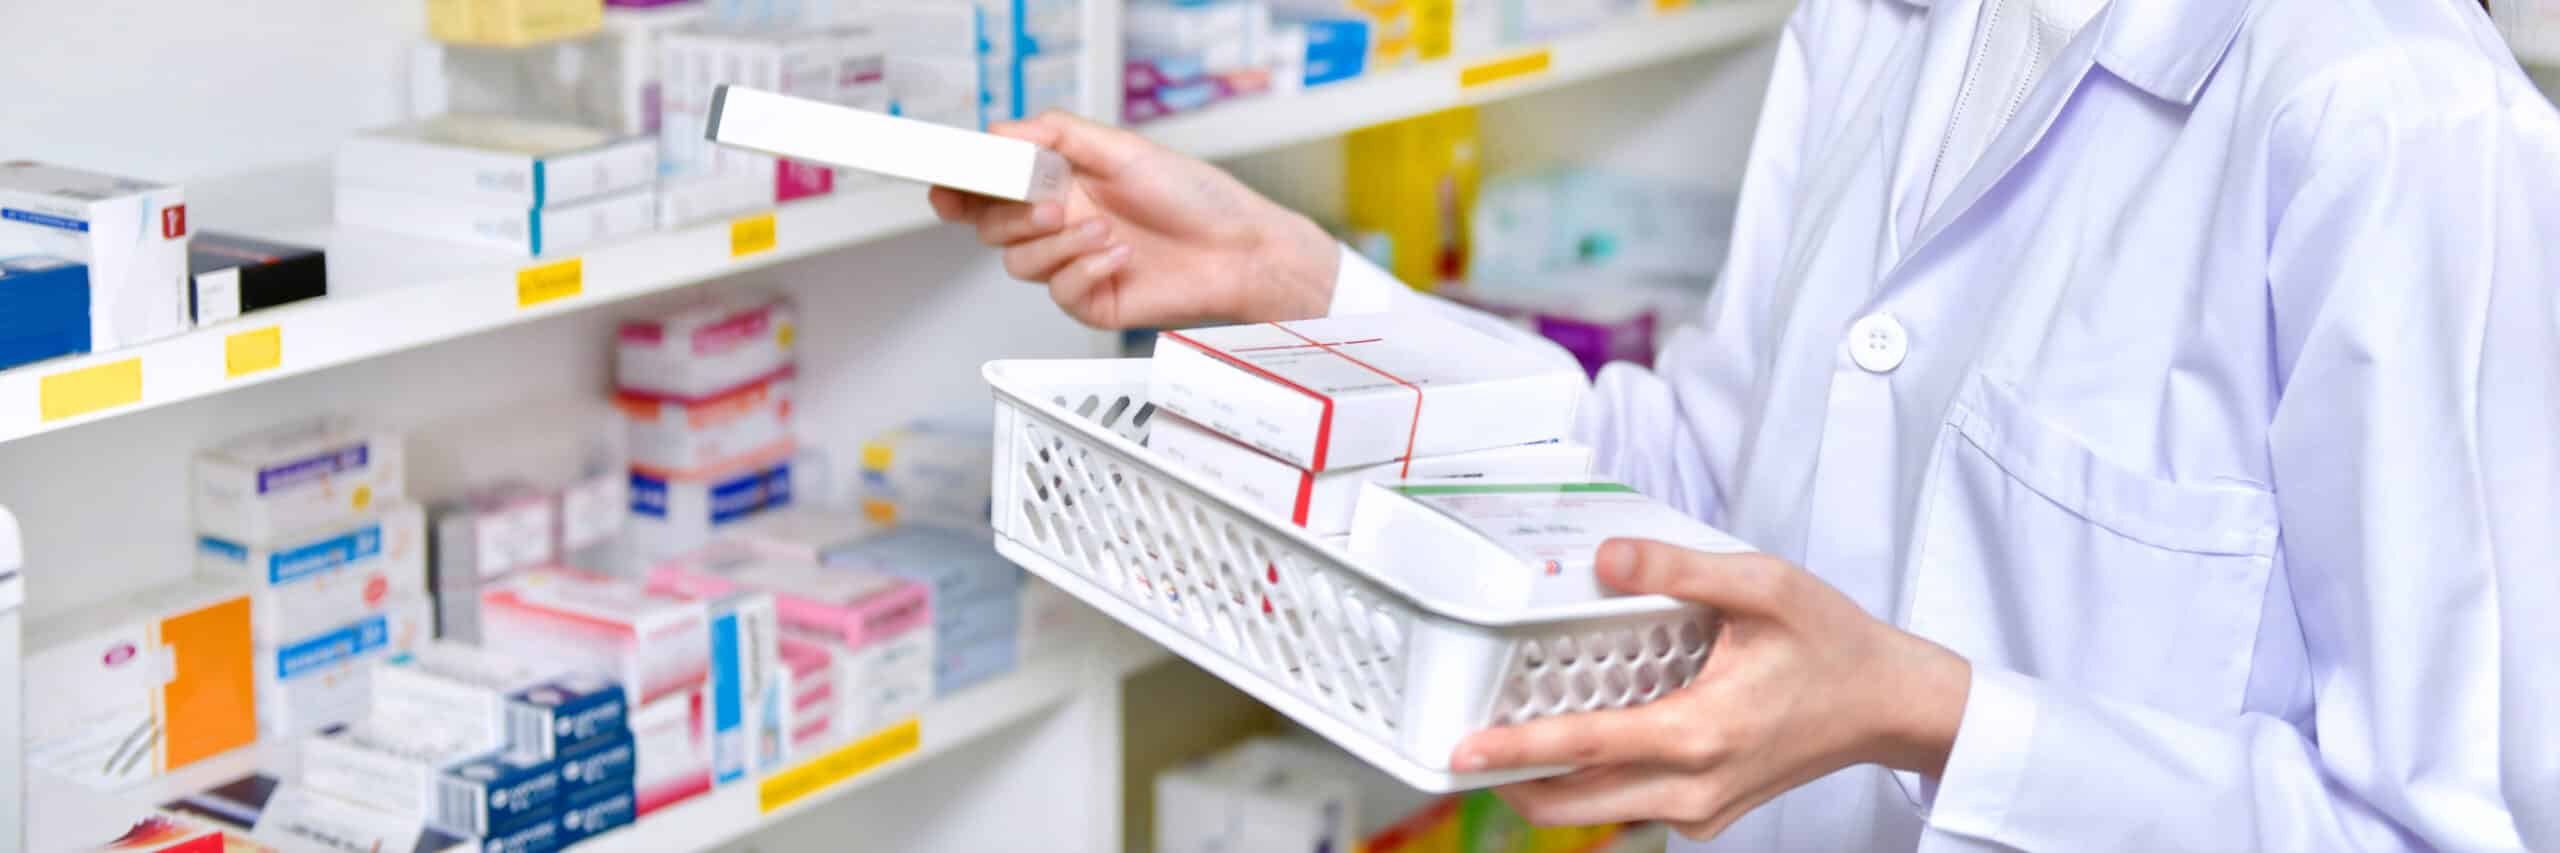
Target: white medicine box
[1513, 549]
[132, 234]
[265, 487]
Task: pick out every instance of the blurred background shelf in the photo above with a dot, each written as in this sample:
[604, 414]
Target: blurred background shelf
[1262, 124]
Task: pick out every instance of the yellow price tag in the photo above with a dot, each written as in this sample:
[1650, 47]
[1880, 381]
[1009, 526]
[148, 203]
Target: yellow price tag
[252, 351]
[548, 282]
[1508, 69]
[751, 235]
[814, 775]
[73, 393]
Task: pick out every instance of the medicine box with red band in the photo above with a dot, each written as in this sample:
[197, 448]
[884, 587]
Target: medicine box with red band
[687, 438]
[132, 235]
[1322, 503]
[656, 644]
[1342, 392]
[704, 350]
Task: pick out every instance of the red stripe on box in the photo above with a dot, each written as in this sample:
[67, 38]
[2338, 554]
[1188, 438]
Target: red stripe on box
[1324, 427]
[1411, 430]
[1306, 494]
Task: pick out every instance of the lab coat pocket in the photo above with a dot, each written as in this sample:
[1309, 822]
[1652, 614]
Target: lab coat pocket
[2035, 554]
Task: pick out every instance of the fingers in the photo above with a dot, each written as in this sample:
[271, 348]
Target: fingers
[1073, 286]
[1645, 734]
[1093, 149]
[1742, 583]
[1604, 795]
[1039, 259]
[956, 207]
[1005, 224]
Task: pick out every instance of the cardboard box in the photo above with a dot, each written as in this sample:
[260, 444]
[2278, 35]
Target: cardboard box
[878, 143]
[703, 350]
[233, 275]
[290, 816]
[328, 577]
[674, 765]
[671, 516]
[809, 718]
[325, 679]
[606, 763]
[744, 683]
[487, 795]
[1322, 503]
[482, 161]
[1342, 392]
[44, 309]
[560, 229]
[836, 65]
[1514, 547]
[686, 438]
[143, 684]
[265, 487]
[467, 695]
[597, 811]
[654, 644]
[131, 234]
[876, 629]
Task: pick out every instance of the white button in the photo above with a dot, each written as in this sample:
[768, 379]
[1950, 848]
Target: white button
[1878, 343]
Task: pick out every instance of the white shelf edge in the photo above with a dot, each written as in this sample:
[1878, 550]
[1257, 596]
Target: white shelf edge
[718, 816]
[1261, 124]
[343, 329]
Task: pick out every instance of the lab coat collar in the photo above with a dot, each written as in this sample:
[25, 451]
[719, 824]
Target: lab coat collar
[2165, 47]
[2169, 47]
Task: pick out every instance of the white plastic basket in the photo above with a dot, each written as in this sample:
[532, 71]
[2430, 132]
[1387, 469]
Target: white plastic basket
[1396, 679]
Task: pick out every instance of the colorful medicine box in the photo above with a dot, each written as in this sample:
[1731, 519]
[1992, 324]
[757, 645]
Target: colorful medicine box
[655, 644]
[266, 487]
[131, 234]
[1322, 503]
[704, 350]
[327, 578]
[142, 685]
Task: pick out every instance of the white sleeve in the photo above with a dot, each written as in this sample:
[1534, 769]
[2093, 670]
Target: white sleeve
[2416, 292]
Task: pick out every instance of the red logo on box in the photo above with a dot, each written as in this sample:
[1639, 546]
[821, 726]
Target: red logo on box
[173, 222]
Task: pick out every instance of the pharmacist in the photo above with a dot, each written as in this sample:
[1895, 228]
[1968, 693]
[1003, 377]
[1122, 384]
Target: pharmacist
[2150, 409]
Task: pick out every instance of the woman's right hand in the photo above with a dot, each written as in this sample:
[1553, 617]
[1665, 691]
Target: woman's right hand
[1149, 238]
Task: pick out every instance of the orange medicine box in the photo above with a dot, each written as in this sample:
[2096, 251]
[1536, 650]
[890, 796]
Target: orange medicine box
[142, 685]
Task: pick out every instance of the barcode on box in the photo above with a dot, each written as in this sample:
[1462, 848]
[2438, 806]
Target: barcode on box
[459, 806]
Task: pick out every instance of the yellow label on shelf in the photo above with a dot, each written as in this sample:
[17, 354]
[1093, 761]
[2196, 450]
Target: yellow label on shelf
[751, 235]
[1506, 70]
[252, 351]
[816, 774]
[73, 393]
[1671, 5]
[537, 285]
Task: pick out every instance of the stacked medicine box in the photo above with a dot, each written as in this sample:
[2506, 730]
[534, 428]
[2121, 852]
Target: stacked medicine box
[484, 746]
[857, 647]
[1184, 56]
[705, 394]
[311, 518]
[1032, 56]
[127, 239]
[528, 187]
[976, 596]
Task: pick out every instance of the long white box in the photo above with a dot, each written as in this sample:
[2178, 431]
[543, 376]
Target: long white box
[497, 162]
[1514, 548]
[326, 578]
[132, 234]
[266, 486]
[919, 151]
[1322, 503]
[1342, 392]
[559, 229]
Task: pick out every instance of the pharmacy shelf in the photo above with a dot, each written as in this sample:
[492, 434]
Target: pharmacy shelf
[1261, 124]
[390, 293]
[65, 816]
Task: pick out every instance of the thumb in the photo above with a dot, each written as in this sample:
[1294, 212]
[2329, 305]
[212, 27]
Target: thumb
[1743, 583]
[1091, 147]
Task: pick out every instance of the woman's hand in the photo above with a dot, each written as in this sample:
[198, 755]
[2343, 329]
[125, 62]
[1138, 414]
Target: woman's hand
[1801, 682]
[1150, 238]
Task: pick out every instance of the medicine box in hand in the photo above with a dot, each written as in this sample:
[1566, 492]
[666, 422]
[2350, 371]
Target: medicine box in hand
[1342, 392]
[1511, 549]
[1322, 503]
[263, 488]
[887, 145]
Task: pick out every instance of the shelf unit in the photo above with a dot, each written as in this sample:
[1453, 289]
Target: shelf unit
[392, 294]
[1257, 125]
[719, 816]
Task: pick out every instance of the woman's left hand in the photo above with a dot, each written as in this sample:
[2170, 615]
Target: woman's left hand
[1801, 682]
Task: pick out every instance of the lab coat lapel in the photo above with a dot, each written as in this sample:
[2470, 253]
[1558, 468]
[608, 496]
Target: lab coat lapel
[2044, 103]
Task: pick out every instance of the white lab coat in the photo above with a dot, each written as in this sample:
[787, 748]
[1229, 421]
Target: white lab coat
[2215, 418]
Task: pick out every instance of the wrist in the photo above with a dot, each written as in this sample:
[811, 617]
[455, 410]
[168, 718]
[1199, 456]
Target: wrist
[1294, 265]
[1923, 707]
